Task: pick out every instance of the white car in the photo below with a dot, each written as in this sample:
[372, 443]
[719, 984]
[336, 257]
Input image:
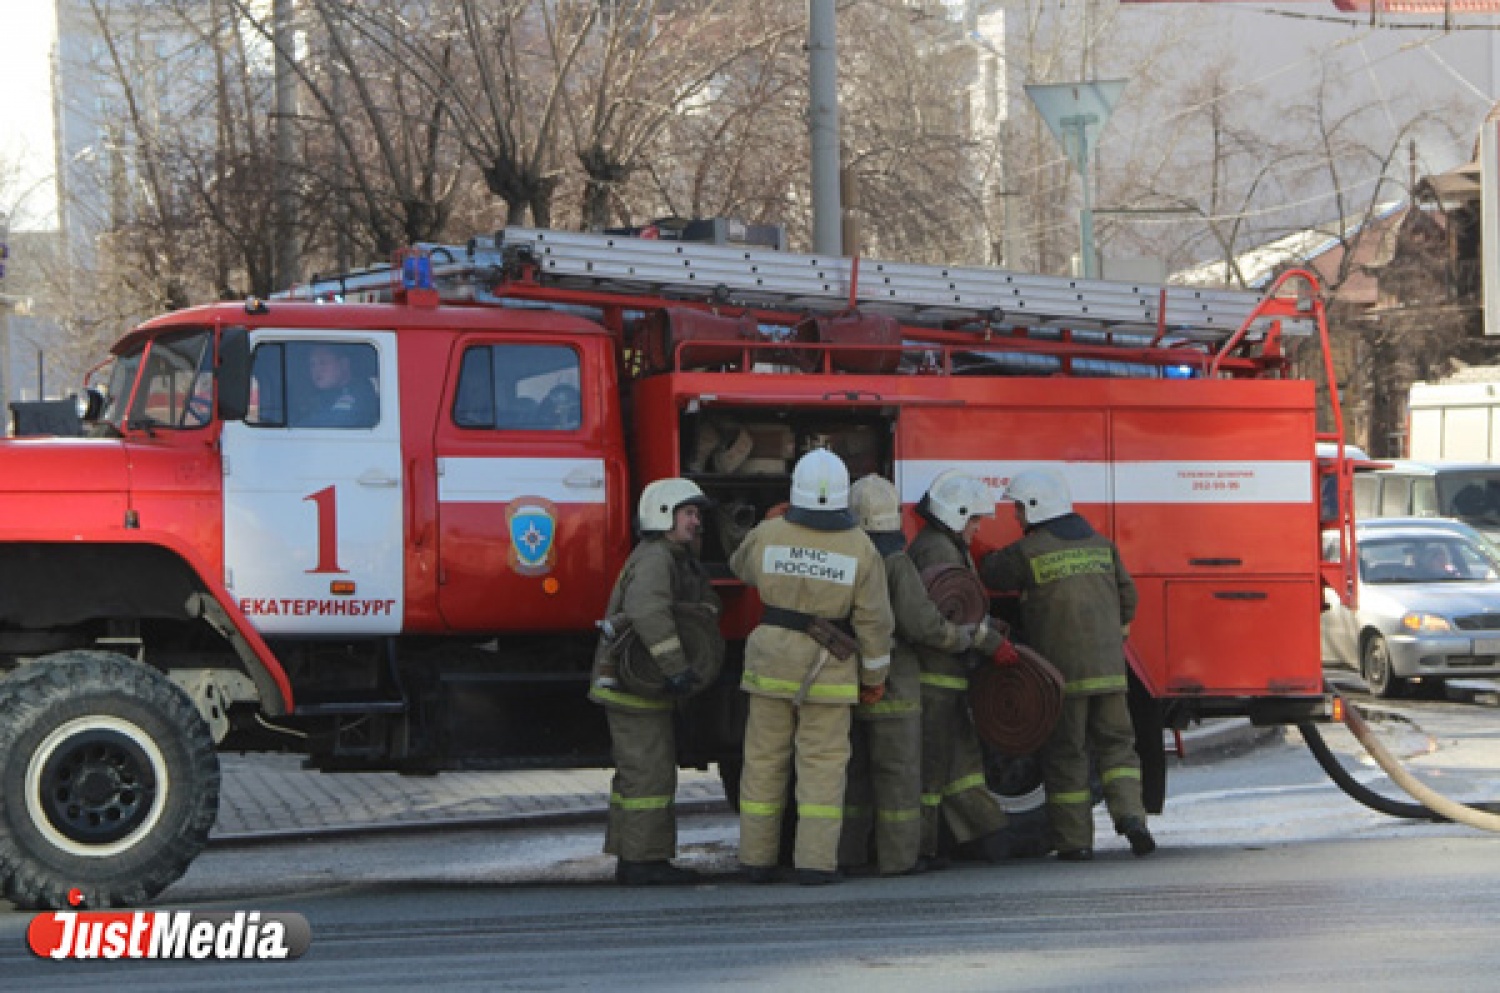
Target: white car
[1429, 605]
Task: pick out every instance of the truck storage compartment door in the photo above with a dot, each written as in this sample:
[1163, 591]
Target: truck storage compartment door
[1242, 637]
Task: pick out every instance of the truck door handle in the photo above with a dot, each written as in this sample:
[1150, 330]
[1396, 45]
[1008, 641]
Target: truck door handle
[584, 479]
[378, 478]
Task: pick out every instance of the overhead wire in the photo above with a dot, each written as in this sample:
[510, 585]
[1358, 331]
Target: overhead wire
[1314, 57]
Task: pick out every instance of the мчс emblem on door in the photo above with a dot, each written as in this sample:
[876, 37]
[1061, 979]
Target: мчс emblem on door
[533, 526]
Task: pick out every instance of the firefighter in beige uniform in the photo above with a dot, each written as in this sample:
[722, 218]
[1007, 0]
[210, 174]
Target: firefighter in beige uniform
[662, 573]
[884, 792]
[823, 644]
[954, 792]
[1077, 600]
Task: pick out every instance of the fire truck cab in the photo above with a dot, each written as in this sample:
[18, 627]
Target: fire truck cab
[381, 533]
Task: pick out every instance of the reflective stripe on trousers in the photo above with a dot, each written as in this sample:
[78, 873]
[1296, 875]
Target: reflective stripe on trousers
[642, 815]
[815, 737]
[1097, 726]
[883, 800]
[953, 784]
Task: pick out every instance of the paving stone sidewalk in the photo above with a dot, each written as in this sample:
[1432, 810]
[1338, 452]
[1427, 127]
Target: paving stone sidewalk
[272, 795]
[265, 797]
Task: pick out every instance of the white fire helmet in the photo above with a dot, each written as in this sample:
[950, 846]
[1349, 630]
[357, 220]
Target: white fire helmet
[955, 496]
[820, 482]
[1042, 493]
[660, 500]
[876, 504]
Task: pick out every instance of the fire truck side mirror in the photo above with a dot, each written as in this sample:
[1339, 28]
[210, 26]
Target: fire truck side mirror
[234, 374]
[91, 405]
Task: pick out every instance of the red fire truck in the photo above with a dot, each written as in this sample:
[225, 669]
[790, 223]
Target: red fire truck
[376, 521]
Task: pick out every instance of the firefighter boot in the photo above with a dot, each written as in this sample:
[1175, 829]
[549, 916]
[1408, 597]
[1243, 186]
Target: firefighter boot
[1135, 831]
[658, 873]
[760, 875]
[817, 877]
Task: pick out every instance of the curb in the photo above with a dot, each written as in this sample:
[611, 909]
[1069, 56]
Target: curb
[539, 818]
[1220, 738]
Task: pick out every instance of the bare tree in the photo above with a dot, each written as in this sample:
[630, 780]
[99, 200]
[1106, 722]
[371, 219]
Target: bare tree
[1359, 157]
[500, 66]
[152, 232]
[907, 135]
[739, 147]
[647, 63]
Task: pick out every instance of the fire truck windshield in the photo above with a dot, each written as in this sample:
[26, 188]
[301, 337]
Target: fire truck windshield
[175, 384]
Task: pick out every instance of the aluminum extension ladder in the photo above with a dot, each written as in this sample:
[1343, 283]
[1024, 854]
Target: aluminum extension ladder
[914, 293]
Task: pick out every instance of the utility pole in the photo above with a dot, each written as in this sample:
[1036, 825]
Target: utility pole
[6, 303]
[823, 124]
[288, 256]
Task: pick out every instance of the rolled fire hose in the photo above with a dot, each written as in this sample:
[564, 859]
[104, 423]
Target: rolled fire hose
[734, 520]
[958, 593]
[1016, 706]
[1428, 797]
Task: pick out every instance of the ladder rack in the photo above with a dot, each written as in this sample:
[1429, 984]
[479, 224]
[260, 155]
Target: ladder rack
[917, 294]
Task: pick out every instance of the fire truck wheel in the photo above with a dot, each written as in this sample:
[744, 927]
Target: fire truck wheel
[1379, 675]
[109, 782]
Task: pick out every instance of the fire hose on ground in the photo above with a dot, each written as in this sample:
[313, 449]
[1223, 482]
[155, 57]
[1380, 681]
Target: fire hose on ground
[1431, 805]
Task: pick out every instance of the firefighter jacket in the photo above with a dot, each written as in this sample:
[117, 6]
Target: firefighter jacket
[1075, 595]
[919, 624]
[935, 545]
[831, 574]
[658, 575]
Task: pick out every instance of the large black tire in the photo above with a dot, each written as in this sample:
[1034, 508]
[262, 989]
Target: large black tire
[109, 782]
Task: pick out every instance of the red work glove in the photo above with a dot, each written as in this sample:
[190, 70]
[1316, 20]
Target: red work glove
[871, 694]
[1006, 654]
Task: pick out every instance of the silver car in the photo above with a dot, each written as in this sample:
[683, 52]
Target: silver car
[1429, 605]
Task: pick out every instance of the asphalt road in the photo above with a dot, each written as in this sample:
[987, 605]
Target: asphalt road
[1393, 913]
[1267, 876]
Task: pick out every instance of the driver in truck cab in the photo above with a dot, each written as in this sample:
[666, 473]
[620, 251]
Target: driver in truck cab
[340, 398]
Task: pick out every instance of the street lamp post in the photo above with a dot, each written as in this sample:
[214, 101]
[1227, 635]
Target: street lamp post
[1079, 125]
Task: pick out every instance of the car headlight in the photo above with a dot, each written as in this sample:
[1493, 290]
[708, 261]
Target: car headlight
[1416, 622]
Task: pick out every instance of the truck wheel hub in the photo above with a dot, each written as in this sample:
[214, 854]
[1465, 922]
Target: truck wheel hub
[97, 787]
